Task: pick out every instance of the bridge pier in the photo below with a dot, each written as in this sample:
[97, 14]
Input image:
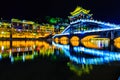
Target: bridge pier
[112, 35]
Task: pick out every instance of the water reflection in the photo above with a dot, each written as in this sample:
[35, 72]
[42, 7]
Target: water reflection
[80, 69]
[81, 57]
[24, 50]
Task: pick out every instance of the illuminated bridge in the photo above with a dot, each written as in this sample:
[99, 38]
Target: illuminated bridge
[86, 27]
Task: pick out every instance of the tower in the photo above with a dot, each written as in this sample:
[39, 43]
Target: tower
[79, 13]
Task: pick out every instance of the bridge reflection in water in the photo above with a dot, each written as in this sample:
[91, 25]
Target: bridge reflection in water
[84, 54]
[89, 51]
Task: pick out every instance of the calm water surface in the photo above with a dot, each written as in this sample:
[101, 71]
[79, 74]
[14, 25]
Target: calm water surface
[47, 60]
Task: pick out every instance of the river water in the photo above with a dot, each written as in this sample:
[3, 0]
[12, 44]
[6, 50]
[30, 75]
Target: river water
[49, 60]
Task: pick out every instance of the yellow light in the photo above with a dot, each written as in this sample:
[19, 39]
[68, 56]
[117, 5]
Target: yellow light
[79, 10]
[117, 42]
[57, 40]
[79, 70]
[27, 57]
[117, 45]
[86, 41]
[16, 20]
[75, 38]
[28, 22]
[2, 32]
[92, 41]
[74, 41]
[64, 40]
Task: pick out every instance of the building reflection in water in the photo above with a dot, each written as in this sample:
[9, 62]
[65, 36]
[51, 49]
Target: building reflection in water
[81, 55]
[24, 50]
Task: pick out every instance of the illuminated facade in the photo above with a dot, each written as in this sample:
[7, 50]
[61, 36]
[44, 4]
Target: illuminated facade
[25, 29]
[22, 24]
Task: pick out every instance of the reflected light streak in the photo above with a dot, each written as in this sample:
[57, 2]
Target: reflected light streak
[104, 56]
[25, 50]
[80, 69]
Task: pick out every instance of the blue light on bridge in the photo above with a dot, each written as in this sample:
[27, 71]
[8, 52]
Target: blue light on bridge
[106, 26]
[95, 21]
[101, 28]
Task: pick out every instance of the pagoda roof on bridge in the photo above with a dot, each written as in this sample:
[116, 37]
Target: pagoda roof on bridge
[79, 10]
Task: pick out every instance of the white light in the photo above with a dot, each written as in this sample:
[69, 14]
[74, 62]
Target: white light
[2, 32]
[2, 48]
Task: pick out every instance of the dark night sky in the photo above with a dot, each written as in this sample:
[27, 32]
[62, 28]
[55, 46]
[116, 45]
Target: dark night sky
[105, 10]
